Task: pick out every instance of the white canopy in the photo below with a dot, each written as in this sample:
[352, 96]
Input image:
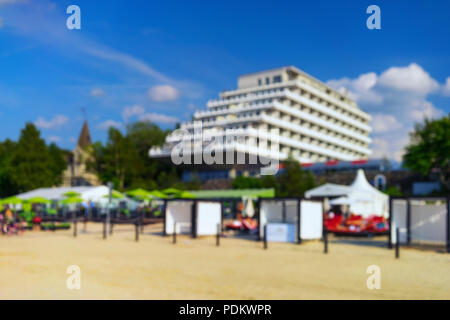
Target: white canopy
[341, 201]
[94, 194]
[328, 190]
[362, 198]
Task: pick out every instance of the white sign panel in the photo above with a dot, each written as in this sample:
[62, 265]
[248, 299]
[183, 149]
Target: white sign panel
[280, 232]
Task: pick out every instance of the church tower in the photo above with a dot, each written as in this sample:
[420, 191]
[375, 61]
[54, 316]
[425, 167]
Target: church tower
[77, 173]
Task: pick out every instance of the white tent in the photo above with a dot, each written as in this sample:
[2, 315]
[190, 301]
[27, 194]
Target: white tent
[362, 198]
[328, 190]
[94, 194]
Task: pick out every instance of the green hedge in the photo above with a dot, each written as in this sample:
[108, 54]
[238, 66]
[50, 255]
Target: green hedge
[52, 226]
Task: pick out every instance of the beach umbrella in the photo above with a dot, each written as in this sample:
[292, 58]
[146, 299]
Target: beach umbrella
[171, 191]
[138, 193]
[157, 194]
[115, 195]
[71, 194]
[38, 200]
[11, 200]
[186, 195]
[73, 200]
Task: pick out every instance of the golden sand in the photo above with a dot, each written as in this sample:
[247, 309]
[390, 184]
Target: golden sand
[33, 266]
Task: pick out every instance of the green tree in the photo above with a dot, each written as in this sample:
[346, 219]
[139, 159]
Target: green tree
[145, 135]
[125, 159]
[30, 166]
[58, 162]
[242, 182]
[429, 149]
[294, 181]
[393, 191]
[7, 186]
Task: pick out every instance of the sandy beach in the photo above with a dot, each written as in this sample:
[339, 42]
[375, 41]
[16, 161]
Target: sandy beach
[34, 265]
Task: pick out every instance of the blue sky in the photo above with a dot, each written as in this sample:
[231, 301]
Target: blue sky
[162, 60]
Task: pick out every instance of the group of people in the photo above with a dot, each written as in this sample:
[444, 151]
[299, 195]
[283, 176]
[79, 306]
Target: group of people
[10, 223]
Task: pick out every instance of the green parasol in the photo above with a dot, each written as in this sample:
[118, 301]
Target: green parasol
[71, 194]
[73, 200]
[38, 200]
[11, 200]
[157, 194]
[171, 191]
[115, 195]
[138, 193]
[186, 195]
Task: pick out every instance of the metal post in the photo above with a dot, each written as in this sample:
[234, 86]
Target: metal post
[448, 225]
[219, 231]
[408, 221]
[258, 216]
[104, 228]
[136, 224]
[325, 240]
[265, 236]
[174, 241]
[299, 222]
[108, 210]
[74, 224]
[397, 243]
[391, 210]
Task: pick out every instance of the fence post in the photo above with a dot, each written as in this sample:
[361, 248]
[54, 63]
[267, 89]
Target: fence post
[299, 222]
[448, 225]
[74, 224]
[104, 228]
[136, 227]
[397, 243]
[219, 231]
[265, 236]
[325, 240]
[174, 233]
[390, 222]
[408, 221]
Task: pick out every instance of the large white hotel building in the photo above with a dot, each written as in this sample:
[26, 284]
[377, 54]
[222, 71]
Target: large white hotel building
[311, 121]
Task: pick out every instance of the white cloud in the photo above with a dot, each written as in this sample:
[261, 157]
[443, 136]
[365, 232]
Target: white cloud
[5, 2]
[385, 123]
[56, 122]
[446, 87]
[411, 78]
[424, 109]
[54, 139]
[397, 98]
[163, 93]
[360, 89]
[108, 124]
[97, 92]
[131, 111]
[124, 59]
[158, 118]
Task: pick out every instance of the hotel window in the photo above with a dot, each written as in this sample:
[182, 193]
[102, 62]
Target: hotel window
[259, 82]
[276, 79]
[267, 80]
